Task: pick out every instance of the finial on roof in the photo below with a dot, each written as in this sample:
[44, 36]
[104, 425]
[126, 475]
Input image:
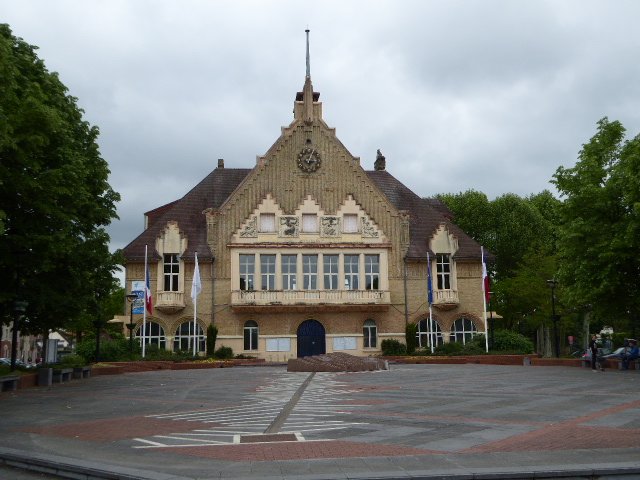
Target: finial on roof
[380, 163]
[308, 56]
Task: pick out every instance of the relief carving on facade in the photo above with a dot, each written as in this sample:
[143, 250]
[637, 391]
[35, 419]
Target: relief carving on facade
[250, 230]
[368, 230]
[330, 227]
[289, 226]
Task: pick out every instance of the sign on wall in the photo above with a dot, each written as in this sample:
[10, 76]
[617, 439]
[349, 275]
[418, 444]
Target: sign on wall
[344, 343]
[278, 344]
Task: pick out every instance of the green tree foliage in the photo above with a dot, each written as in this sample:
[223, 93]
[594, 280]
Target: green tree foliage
[54, 195]
[599, 233]
[521, 233]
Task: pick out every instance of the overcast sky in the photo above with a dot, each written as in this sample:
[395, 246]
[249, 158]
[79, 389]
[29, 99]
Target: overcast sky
[458, 95]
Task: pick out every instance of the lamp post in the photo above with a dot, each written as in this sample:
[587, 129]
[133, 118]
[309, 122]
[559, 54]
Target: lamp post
[19, 307]
[130, 298]
[552, 284]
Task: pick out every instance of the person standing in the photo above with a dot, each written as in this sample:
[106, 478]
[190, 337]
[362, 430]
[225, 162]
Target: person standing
[630, 354]
[593, 346]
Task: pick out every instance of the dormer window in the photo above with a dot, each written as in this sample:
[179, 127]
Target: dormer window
[267, 222]
[171, 272]
[443, 271]
[309, 222]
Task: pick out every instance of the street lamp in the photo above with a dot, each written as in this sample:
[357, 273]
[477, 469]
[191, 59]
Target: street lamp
[19, 307]
[552, 284]
[130, 298]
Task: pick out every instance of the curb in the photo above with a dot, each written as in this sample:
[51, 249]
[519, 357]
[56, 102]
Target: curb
[85, 470]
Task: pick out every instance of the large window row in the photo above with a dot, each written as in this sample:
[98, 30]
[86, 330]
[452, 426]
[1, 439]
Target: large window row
[309, 272]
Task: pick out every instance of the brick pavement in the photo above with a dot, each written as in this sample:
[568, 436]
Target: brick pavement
[474, 417]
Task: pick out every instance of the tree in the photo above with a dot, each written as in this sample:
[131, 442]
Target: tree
[599, 233]
[55, 196]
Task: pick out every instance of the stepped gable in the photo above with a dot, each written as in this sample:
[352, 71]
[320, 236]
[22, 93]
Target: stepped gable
[188, 213]
[425, 218]
[336, 362]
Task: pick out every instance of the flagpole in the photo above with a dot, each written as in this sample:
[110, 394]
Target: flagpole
[196, 270]
[484, 299]
[430, 300]
[144, 307]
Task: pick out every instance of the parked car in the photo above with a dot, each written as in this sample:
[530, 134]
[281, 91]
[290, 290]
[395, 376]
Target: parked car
[19, 363]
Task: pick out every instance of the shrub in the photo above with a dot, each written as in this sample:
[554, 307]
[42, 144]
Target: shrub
[73, 361]
[475, 346]
[393, 347]
[154, 352]
[410, 337]
[506, 340]
[212, 335]
[111, 350]
[451, 348]
[224, 353]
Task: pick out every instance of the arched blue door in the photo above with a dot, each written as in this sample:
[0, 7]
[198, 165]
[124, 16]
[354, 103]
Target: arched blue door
[311, 339]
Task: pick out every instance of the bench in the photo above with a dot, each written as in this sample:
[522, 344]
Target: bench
[9, 383]
[633, 364]
[82, 372]
[62, 374]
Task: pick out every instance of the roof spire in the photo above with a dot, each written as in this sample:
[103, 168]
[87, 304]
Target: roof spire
[308, 56]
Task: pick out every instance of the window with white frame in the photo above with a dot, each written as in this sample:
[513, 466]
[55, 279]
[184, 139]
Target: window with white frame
[351, 272]
[183, 340]
[350, 223]
[250, 335]
[267, 222]
[153, 335]
[309, 222]
[247, 270]
[425, 335]
[171, 272]
[289, 265]
[372, 272]
[370, 333]
[268, 272]
[310, 272]
[330, 267]
[463, 330]
[443, 271]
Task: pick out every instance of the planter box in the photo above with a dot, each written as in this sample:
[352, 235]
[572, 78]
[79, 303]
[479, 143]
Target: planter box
[81, 372]
[28, 380]
[45, 377]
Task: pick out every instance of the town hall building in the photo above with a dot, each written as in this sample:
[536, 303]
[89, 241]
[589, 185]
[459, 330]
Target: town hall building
[306, 253]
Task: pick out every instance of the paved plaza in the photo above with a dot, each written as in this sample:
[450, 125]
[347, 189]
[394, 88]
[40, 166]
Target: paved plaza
[412, 421]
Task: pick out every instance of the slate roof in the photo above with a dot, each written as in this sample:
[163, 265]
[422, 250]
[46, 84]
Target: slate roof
[187, 212]
[426, 215]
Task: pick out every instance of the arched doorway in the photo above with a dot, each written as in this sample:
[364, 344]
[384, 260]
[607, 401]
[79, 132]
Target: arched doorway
[311, 339]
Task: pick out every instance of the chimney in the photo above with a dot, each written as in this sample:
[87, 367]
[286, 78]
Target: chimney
[380, 163]
[221, 163]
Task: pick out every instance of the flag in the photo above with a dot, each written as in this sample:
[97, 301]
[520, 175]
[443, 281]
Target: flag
[196, 286]
[429, 284]
[148, 300]
[485, 280]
